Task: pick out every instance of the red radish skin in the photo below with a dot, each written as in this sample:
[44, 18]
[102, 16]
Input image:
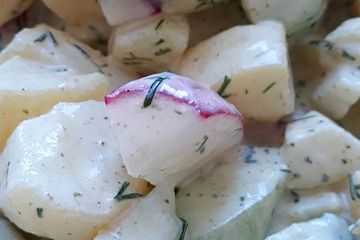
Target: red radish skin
[178, 89]
[154, 4]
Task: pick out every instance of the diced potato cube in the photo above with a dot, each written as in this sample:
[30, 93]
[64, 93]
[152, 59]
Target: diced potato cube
[86, 17]
[50, 46]
[62, 174]
[35, 88]
[159, 204]
[341, 46]
[151, 45]
[120, 12]
[248, 65]
[318, 152]
[339, 91]
[298, 17]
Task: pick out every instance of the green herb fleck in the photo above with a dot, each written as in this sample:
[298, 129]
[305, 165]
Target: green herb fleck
[185, 225]
[223, 87]
[161, 40]
[285, 170]
[77, 194]
[86, 54]
[301, 118]
[46, 34]
[201, 148]
[152, 90]
[237, 131]
[269, 87]
[120, 196]
[158, 25]
[202, 3]
[347, 55]
[39, 212]
[308, 160]
[295, 195]
[162, 51]
[249, 156]
[328, 45]
[325, 178]
[134, 60]
[353, 193]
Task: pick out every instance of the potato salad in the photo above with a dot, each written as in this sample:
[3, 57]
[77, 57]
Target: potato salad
[180, 120]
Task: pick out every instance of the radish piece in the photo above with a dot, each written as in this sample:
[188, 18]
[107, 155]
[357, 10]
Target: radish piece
[117, 12]
[171, 126]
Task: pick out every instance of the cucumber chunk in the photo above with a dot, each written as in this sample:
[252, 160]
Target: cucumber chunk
[236, 200]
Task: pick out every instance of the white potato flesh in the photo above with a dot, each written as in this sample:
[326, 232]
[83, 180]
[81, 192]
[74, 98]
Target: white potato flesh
[12, 8]
[83, 15]
[296, 15]
[151, 45]
[119, 12]
[50, 46]
[347, 32]
[329, 227]
[61, 173]
[183, 128]
[152, 218]
[341, 46]
[235, 200]
[339, 91]
[187, 6]
[340, 57]
[319, 152]
[255, 59]
[36, 88]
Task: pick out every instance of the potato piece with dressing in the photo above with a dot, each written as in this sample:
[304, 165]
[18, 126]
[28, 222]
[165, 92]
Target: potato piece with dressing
[151, 45]
[12, 8]
[47, 45]
[87, 18]
[119, 12]
[249, 66]
[152, 218]
[318, 152]
[299, 17]
[340, 56]
[338, 92]
[37, 87]
[62, 177]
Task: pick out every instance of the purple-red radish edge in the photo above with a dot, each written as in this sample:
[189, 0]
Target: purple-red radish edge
[218, 106]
